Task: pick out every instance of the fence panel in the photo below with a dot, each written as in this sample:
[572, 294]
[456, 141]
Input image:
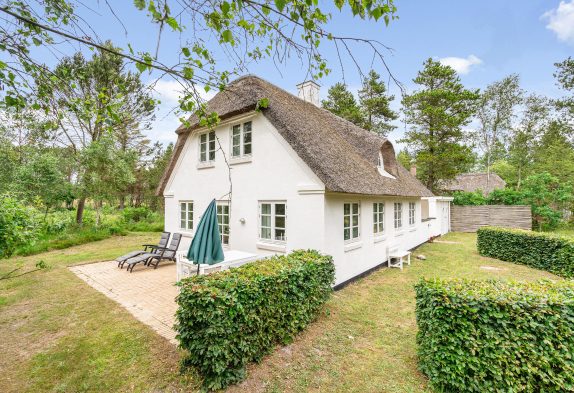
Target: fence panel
[470, 218]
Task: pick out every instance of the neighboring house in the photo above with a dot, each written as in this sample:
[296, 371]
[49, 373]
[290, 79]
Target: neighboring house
[301, 178]
[471, 182]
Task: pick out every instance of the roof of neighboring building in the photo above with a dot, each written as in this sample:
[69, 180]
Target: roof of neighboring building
[471, 182]
[342, 155]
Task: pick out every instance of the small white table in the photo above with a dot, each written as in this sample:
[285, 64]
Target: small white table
[233, 258]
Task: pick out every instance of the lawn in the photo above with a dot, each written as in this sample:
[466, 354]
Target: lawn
[59, 334]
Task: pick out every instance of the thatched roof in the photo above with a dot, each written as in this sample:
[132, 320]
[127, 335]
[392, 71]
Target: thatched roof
[341, 154]
[471, 182]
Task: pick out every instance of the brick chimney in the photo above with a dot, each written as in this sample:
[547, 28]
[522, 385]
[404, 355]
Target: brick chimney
[309, 91]
[413, 170]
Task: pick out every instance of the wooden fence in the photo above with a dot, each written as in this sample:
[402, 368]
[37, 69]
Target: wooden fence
[470, 218]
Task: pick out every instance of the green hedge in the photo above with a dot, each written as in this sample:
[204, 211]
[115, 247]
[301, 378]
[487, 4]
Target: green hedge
[539, 250]
[493, 336]
[228, 319]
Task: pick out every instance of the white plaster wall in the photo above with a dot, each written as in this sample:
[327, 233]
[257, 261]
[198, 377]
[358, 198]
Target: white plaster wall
[274, 173]
[354, 258]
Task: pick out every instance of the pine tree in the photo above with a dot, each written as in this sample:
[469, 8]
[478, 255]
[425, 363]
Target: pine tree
[341, 102]
[374, 102]
[436, 114]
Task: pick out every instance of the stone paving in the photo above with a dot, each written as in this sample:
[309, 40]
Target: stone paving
[147, 293]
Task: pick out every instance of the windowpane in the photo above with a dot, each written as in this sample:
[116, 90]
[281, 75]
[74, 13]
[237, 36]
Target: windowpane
[265, 208]
[266, 221]
[355, 220]
[280, 209]
[346, 208]
[346, 221]
[355, 208]
[203, 138]
[247, 149]
[355, 232]
[280, 234]
[279, 222]
[266, 233]
[347, 234]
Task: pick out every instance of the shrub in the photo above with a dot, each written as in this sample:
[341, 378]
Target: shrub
[464, 198]
[539, 250]
[17, 225]
[492, 336]
[226, 320]
[136, 214]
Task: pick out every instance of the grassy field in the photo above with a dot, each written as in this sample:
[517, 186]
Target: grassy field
[58, 334]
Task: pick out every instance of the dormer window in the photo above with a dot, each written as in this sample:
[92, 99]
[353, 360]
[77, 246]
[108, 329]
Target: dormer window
[381, 163]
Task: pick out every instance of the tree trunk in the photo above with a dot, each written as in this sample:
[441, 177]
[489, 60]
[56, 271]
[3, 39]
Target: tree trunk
[122, 202]
[80, 211]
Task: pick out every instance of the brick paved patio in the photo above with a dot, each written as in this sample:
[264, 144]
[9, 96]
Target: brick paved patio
[148, 294]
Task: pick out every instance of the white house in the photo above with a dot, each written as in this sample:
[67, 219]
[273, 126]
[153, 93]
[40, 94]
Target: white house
[300, 177]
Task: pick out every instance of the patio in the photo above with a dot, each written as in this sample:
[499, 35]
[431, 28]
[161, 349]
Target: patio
[148, 294]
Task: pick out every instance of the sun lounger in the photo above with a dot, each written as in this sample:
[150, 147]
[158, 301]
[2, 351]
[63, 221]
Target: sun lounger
[160, 253]
[147, 248]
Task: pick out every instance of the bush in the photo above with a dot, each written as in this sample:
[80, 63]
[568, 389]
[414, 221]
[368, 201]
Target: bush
[543, 251]
[464, 198]
[136, 214]
[492, 336]
[226, 320]
[17, 225]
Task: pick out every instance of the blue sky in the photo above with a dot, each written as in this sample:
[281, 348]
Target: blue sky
[484, 41]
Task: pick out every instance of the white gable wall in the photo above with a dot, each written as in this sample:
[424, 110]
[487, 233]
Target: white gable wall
[274, 173]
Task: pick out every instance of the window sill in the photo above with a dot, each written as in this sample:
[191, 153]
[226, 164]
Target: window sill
[399, 233]
[271, 246]
[186, 234]
[240, 160]
[412, 229]
[353, 246]
[205, 165]
[379, 238]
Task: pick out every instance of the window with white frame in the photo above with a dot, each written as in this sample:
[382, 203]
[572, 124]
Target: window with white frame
[381, 163]
[186, 215]
[241, 140]
[378, 218]
[272, 221]
[207, 146]
[412, 213]
[398, 215]
[351, 219]
[223, 221]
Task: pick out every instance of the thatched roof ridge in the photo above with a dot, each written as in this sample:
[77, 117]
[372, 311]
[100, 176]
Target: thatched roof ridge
[341, 154]
[471, 182]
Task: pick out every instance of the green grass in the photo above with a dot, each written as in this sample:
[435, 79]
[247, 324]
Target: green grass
[59, 334]
[366, 340]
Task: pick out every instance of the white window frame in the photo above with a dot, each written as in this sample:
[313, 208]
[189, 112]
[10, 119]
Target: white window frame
[352, 226]
[242, 133]
[381, 162]
[378, 218]
[220, 221]
[273, 222]
[188, 222]
[398, 215]
[210, 148]
[412, 213]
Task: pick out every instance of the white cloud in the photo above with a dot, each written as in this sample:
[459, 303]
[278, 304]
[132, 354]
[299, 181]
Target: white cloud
[561, 21]
[170, 91]
[460, 64]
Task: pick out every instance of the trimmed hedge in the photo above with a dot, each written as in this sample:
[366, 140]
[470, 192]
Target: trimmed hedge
[493, 336]
[538, 250]
[227, 319]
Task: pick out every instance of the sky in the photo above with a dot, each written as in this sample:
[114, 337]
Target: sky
[484, 41]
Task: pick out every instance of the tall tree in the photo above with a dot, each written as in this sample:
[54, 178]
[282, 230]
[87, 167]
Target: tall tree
[375, 105]
[554, 154]
[495, 112]
[524, 136]
[437, 114]
[80, 108]
[565, 77]
[341, 102]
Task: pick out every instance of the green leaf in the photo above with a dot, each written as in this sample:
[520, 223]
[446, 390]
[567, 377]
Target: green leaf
[227, 36]
[280, 5]
[140, 4]
[173, 23]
